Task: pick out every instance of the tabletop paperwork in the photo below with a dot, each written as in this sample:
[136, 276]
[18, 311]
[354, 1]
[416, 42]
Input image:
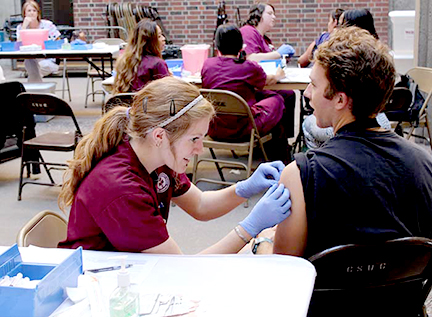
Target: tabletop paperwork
[205, 285]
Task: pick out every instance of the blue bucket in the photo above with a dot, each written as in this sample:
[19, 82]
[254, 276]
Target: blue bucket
[10, 46]
[53, 45]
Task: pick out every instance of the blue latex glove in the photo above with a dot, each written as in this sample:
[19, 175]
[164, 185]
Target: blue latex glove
[272, 208]
[286, 49]
[266, 175]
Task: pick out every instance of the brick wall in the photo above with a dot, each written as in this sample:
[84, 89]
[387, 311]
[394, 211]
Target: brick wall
[299, 22]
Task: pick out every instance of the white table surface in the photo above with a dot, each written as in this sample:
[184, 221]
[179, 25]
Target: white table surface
[108, 50]
[296, 78]
[224, 285]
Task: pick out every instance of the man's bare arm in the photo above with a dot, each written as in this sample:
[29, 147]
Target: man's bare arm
[291, 234]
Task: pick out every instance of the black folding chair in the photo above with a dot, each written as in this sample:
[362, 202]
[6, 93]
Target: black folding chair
[391, 278]
[46, 104]
[123, 99]
[396, 109]
[12, 121]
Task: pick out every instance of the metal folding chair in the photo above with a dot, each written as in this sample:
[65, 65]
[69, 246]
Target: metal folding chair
[230, 103]
[46, 104]
[46, 230]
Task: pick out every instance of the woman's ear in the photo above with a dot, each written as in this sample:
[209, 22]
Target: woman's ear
[158, 135]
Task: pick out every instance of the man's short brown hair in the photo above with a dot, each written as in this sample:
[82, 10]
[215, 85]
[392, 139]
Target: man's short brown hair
[360, 66]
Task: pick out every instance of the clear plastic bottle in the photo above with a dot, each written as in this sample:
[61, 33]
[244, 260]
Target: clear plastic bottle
[124, 301]
[66, 45]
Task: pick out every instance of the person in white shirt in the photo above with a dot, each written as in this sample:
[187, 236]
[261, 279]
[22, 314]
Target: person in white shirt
[37, 68]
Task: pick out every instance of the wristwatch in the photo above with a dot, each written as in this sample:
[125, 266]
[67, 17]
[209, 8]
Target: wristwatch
[258, 241]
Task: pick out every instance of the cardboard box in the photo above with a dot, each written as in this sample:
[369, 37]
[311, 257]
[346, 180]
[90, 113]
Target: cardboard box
[48, 294]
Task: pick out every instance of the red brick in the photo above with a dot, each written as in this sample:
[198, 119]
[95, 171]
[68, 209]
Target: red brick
[290, 15]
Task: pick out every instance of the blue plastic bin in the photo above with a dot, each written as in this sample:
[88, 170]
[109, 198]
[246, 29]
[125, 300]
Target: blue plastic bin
[175, 66]
[48, 294]
[10, 46]
[53, 45]
[81, 46]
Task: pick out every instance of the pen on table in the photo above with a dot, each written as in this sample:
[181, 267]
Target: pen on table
[109, 268]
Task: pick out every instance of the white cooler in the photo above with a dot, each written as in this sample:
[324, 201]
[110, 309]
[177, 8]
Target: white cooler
[403, 39]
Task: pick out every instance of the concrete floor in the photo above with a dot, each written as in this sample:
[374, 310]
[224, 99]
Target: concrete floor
[191, 235]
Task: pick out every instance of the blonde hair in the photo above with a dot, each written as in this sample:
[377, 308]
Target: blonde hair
[33, 4]
[142, 41]
[110, 130]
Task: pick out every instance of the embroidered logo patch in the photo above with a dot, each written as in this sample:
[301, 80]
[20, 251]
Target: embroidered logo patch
[163, 183]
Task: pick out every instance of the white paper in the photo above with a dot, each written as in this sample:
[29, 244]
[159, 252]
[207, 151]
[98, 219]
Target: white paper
[300, 75]
[269, 67]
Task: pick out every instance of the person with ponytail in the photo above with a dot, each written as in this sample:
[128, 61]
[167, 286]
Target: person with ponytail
[125, 173]
[305, 59]
[231, 71]
[142, 60]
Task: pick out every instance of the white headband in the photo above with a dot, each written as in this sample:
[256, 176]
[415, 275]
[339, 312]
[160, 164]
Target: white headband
[178, 114]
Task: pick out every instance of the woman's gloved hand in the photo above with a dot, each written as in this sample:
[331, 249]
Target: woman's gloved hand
[266, 175]
[271, 209]
[286, 49]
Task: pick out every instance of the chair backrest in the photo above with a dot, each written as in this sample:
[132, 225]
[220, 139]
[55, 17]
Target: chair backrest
[11, 119]
[400, 99]
[423, 78]
[229, 103]
[382, 279]
[123, 99]
[46, 229]
[47, 104]
[109, 41]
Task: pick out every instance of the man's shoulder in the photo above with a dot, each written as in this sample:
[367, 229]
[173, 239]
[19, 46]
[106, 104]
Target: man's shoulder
[364, 146]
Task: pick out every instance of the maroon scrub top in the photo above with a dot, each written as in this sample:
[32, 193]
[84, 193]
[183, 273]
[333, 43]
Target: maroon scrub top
[150, 68]
[255, 42]
[243, 78]
[246, 79]
[119, 206]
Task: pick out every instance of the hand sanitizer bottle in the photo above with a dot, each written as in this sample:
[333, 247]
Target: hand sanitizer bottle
[124, 302]
[66, 45]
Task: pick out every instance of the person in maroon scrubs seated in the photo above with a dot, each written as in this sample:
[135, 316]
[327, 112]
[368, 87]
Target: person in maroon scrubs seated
[142, 60]
[231, 71]
[128, 169]
[258, 47]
